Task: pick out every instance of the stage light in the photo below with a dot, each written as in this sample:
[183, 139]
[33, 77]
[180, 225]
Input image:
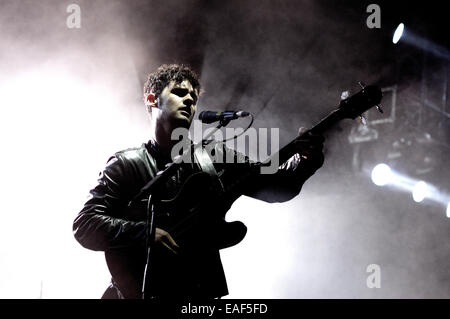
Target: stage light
[420, 191]
[381, 174]
[398, 33]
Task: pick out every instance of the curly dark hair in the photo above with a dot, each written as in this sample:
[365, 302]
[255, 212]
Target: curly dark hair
[158, 80]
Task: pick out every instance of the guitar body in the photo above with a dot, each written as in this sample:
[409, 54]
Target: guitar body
[194, 217]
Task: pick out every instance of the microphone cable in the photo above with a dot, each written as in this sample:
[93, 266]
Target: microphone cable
[235, 136]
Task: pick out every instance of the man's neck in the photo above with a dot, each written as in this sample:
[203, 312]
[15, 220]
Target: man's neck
[162, 136]
[164, 144]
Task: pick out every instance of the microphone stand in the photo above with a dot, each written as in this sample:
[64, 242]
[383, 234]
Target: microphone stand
[161, 177]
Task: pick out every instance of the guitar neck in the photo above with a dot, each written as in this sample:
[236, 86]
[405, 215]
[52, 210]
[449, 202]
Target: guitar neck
[289, 150]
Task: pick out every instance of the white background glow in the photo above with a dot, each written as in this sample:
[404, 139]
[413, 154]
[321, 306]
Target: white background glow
[50, 118]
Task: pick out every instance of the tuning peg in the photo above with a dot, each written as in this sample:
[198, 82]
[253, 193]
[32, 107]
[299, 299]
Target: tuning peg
[362, 84]
[379, 109]
[363, 120]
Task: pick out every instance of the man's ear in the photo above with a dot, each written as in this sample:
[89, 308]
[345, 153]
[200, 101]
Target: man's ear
[150, 101]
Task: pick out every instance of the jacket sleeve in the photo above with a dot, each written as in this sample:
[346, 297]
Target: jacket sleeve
[101, 224]
[283, 185]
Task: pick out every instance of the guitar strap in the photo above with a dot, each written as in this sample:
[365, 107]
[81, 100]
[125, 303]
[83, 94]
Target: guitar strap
[206, 165]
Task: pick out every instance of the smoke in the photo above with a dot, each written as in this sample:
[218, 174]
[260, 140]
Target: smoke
[69, 99]
[72, 97]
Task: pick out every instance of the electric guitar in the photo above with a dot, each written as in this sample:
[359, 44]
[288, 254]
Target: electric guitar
[187, 216]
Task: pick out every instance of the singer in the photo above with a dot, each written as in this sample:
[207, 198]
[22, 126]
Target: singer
[111, 222]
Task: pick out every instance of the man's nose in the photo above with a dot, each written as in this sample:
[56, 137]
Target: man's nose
[188, 101]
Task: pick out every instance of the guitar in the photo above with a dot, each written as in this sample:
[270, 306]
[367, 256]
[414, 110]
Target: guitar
[188, 217]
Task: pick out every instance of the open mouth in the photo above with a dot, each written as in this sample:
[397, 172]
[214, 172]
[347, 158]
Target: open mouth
[185, 112]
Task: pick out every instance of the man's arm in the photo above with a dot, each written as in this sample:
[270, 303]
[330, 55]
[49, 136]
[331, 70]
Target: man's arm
[104, 222]
[101, 224]
[287, 182]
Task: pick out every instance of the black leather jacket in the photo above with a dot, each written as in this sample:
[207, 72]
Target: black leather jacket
[104, 223]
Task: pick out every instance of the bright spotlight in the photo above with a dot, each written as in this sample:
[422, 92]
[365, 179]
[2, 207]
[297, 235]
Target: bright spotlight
[420, 191]
[398, 33]
[448, 210]
[381, 174]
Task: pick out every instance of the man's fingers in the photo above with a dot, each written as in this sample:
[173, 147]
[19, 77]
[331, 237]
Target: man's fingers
[302, 130]
[312, 138]
[165, 239]
[312, 154]
[308, 144]
[169, 240]
[169, 248]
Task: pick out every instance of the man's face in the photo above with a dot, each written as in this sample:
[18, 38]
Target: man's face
[177, 104]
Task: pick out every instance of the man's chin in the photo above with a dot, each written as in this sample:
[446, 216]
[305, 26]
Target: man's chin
[182, 121]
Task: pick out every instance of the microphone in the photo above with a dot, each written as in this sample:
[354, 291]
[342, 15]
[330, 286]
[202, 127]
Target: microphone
[211, 117]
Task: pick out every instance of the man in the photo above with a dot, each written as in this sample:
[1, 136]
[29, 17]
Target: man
[114, 221]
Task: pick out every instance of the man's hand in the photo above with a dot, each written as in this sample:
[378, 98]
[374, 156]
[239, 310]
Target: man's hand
[166, 241]
[310, 148]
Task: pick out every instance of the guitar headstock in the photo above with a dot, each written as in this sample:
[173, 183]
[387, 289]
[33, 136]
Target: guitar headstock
[357, 104]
